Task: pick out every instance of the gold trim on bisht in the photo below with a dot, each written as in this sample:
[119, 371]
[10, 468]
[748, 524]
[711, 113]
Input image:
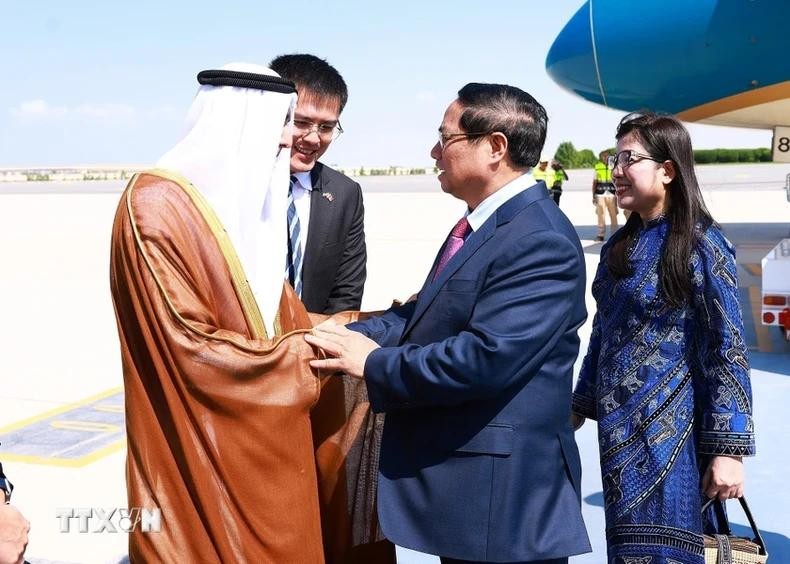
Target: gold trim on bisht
[252, 313]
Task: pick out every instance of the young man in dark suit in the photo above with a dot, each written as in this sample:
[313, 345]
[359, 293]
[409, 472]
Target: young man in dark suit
[478, 459]
[329, 248]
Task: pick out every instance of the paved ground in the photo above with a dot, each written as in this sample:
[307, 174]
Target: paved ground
[60, 400]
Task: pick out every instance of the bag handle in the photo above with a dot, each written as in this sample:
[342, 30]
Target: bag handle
[723, 521]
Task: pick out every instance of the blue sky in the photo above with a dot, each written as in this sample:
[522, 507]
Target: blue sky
[88, 82]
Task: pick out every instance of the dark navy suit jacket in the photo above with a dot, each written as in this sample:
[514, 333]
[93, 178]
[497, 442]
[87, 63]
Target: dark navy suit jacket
[334, 273]
[478, 459]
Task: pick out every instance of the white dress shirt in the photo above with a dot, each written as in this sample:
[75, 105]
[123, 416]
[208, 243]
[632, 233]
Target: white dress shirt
[487, 207]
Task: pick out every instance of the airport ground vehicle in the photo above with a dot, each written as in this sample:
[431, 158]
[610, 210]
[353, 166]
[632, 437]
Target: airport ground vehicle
[776, 287]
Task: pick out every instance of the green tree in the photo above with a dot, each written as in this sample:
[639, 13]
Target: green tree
[727, 155]
[566, 154]
[585, 159]
[704, 156]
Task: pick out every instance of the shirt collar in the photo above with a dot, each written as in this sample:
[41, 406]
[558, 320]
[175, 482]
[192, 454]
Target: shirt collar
[487, 207]
[304, 180]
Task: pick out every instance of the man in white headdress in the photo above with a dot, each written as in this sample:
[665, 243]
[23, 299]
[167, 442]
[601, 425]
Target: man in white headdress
[229, 434]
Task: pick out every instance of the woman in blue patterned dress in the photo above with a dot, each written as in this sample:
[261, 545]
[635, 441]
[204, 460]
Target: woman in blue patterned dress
[666, 374]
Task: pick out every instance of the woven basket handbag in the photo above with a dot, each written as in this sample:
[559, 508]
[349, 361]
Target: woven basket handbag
[729, 549]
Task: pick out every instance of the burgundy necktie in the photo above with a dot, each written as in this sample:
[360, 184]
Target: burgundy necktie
[454, 242]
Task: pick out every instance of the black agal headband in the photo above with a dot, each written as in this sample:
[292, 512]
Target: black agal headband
[246, 80]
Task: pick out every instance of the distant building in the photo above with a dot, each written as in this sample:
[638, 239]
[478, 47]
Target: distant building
[70, 174]
[384, 170]
[124, 172]
[12, 176]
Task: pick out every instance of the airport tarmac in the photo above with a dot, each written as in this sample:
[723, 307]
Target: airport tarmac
[61, 401]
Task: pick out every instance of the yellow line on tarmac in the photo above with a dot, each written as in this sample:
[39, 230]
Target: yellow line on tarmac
[763, 338]
[109, 408]
[68, 462]
[87, 426]
[59, 410]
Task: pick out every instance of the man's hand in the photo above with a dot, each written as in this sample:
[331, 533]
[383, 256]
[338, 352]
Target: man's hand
[13, 535]
[724, 478]
[326, 323]
[577, 421]
[348, 350]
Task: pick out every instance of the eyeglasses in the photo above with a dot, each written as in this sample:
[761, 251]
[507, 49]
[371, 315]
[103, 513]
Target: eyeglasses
[627, 158]
[325, 131]
[445, 137]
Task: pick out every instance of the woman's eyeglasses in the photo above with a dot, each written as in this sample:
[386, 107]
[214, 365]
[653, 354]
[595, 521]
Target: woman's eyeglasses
[627, 158]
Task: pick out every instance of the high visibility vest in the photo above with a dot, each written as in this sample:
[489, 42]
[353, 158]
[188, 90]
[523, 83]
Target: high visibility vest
[539, 175]
[559, 176]
[603, 173]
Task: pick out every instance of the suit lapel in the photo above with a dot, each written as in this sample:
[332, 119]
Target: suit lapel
[431, 287]
[322, 212]
[473, 243]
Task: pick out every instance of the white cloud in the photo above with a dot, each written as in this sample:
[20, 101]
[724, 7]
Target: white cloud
[165, 112]
[425, 96]
[103, 112]
[37, 109]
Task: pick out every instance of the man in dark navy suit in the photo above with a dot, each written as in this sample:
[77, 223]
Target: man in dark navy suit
[478, 460]
[328, 204]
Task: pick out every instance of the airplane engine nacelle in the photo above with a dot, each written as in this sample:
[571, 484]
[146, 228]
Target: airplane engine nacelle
[720, 62]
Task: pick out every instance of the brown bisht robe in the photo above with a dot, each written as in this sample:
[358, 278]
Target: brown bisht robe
[220, 432]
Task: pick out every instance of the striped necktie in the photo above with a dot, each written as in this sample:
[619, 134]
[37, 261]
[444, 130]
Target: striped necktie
[293, 271]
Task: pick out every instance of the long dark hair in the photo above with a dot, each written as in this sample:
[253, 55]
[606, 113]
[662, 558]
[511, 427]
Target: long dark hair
[665, 139]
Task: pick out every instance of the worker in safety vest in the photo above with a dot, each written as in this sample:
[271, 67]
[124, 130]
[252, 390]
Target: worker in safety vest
[603, 195]
[543, 172]
[559, 176]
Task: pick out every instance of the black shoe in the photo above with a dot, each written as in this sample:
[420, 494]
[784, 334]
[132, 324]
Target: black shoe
[599, 238]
